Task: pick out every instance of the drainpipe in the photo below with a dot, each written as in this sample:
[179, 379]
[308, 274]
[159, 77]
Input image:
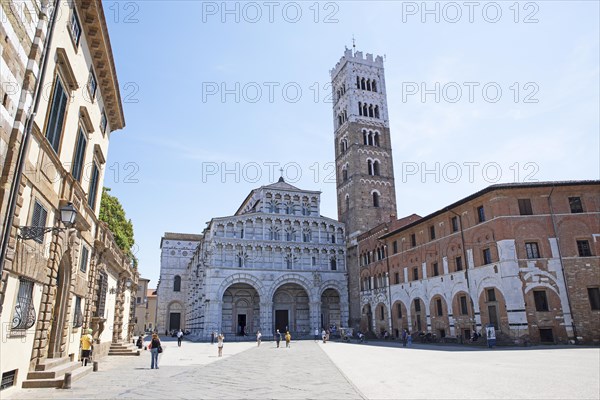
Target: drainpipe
[562, 268]
[16, 183]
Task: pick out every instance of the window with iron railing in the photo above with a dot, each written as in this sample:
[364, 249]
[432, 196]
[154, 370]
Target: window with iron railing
[24, 314]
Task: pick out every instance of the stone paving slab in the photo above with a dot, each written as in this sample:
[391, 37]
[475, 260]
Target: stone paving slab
[389, 371]
[309, 370]
[194, 371]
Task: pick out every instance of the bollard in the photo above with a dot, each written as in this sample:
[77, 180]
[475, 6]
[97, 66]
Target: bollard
[67, 381]
[95, 368]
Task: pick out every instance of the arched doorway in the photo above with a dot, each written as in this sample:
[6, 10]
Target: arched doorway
[241, 310]
[330, 309]
[440, 324]
[381, 319]
[61, 306]
[366, 321]
[419, 316]
[399, 318]
[291, 309]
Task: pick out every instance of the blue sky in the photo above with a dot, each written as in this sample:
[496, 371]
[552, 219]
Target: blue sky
[191, 151]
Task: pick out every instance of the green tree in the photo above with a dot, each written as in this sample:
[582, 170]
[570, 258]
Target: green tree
[111, 212]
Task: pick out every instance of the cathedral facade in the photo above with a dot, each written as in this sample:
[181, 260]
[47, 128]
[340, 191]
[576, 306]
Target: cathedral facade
[275, 264]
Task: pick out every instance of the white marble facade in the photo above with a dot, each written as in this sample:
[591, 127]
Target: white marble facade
[275, 264]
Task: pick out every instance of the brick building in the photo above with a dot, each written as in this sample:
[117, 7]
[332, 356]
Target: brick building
[521, 257]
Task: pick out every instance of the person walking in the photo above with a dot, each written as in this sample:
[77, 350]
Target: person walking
[409, 339]
[277, 337]
[220, 340]
[179, 337]
[212, 337]
[86, 347]
[324, 336]
[288, 339]
[258, 338]
[155, 347]
[316, 334]
[404, 337]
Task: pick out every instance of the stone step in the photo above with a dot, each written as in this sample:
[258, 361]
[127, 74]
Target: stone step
[58, 381]
[54, 372]
[50, 363]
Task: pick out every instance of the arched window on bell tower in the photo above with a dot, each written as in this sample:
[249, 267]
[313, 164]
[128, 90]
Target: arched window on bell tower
[375, 196]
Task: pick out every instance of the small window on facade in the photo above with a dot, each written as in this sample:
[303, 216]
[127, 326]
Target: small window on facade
[525, 207]
[375, 199]
[541, 301]
[84, 259]
[415, 274]
[480, 214]
[397, 278]
[583, 248]
[75, 27]
[532, 250]
[491, 294]
[399, 308]
[438, 305]
[413, 239]
[103, 122]
[177, 284]
[463, 305]
[417, 305]
[139, 300]
[431, 232]
[454, 224]
[575, 204]
[382, 313]
[459, 265]
[333, 264]
[594, 296]
[436, 271]
[487, 256]
[8, 379]
[332, 238]
[395, 247]
[92, 85]
[78, 315]
[314, 260]
[38, 219]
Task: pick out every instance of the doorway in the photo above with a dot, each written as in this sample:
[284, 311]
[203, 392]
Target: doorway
[282, 320]
[241, 324]
[174, 321]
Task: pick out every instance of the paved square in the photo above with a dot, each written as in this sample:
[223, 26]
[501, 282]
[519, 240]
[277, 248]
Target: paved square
[310, 370]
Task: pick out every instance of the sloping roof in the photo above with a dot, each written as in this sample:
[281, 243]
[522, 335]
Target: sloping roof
[282, 185]
[150, 292]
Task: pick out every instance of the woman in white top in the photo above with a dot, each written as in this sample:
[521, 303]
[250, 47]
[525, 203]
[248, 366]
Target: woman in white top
[220, 340]
[258, 338]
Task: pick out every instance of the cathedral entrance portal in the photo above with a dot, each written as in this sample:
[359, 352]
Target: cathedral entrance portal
[330, 309]
[291, 309]
[241, 310]
[282, 320]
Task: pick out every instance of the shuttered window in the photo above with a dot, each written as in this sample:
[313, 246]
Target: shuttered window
[57, 115]
[84, 259]
[38, 219]
[79, 155]
[93, 191]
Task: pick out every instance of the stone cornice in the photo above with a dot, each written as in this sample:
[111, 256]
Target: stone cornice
[96, 32]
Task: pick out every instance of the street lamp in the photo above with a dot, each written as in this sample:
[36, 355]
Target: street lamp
[68, 213]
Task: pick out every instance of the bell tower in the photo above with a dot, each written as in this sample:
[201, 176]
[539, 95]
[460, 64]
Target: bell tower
[366, 195]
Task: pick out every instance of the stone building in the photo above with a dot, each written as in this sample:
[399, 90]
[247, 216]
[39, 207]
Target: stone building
[521, 257]
[176, 252]
[275, 264]
[60, 102]
[366, 193]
